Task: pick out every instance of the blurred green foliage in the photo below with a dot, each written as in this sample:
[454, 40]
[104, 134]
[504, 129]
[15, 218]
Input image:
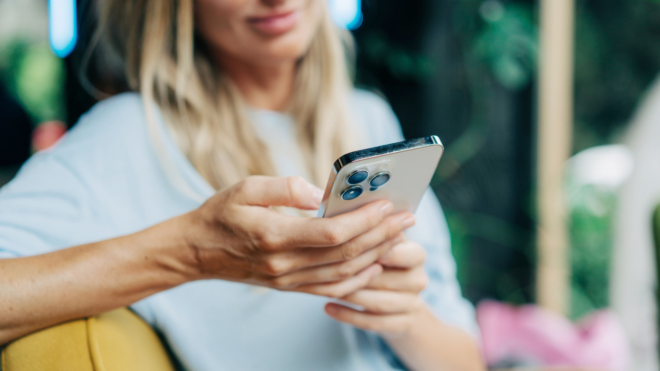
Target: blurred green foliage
[617, 57]
[465, 227]
[591, 217]
[499, 50]
[35, 77]
[508, 42]
[401, 63]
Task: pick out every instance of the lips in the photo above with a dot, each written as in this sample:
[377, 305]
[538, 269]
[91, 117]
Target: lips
[275, 24]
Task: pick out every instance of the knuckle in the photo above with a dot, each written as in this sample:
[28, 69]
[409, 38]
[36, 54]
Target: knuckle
[345, 271]
[333, 235]
[390, 233]
[336, 294]
[276, 266]
[295, 186]
[280, 283]
[269, 240]
[243, 187]
[350, 251]
[420, 281]
[373, 220]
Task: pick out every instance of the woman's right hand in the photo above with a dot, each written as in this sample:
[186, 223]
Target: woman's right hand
[236, 236]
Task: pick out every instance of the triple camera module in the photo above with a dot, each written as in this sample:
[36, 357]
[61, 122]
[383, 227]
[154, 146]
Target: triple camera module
[354, 190]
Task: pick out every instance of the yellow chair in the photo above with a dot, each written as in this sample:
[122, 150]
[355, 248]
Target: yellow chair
[114, 341]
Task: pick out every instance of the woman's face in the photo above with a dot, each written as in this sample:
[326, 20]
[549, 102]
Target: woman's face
[259, 31]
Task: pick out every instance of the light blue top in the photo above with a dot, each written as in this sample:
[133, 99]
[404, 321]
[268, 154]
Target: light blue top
[104, 180]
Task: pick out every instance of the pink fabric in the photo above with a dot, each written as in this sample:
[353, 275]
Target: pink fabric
[47, 134]
[535, 335]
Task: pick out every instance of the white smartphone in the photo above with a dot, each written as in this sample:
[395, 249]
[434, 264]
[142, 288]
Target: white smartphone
[400, 172]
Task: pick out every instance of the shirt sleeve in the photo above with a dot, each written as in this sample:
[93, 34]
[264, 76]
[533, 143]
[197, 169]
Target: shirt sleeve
[443, 293]
[45, 208]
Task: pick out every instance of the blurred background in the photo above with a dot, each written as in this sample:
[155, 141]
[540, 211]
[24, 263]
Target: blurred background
[466, 70]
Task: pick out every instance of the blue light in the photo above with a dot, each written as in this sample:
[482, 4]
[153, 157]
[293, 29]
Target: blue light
[62, 26]
[346, 13]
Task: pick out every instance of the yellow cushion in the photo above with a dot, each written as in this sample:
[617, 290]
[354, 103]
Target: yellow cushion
[114, 341]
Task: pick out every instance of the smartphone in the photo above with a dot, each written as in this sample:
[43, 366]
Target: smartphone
[400, 172]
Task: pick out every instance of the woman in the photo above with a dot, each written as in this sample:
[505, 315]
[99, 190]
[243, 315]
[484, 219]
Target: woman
[246, 98]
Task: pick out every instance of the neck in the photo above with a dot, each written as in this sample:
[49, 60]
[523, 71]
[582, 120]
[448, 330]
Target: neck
[266, 87]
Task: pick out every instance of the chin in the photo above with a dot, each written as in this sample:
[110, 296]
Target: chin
[285, 54]
[285, 50]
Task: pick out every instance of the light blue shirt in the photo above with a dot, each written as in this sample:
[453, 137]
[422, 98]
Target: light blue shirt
[104, 180]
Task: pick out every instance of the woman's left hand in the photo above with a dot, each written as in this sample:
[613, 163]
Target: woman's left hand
[391, 301]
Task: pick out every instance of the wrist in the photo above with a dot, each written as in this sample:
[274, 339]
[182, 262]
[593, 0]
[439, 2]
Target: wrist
[419, 318]
[167, 249]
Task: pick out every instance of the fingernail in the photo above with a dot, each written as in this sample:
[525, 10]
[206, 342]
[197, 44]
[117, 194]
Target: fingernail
[386, 209]
[408, 222]
[317, 196]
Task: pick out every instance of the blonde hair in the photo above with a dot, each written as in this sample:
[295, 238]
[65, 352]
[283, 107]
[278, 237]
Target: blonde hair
[166, 62]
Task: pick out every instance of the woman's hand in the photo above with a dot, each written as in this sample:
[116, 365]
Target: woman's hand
[393, 308]
[236, 236]
[391, 300]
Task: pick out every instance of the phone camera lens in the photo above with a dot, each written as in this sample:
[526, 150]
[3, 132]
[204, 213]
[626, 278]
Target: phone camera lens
[351, 193]
[357, 177]
[380, 179]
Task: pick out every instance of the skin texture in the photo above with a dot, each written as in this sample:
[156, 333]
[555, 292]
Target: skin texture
[236, 236]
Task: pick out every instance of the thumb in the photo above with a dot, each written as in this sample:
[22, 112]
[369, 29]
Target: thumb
[279, 191]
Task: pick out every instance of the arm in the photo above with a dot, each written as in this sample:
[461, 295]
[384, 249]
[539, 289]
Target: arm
[81, 281]
[430, 344]
[234, 236]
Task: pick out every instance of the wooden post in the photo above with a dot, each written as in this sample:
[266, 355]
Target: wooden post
[555, 125]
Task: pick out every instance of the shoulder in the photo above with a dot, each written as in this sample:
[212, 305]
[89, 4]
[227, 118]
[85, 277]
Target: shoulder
[374, 116]
[107, 146]
[108, 124]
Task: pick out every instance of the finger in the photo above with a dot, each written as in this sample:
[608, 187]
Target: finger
[268, 191]
[407, 254]
[412, 280]
[344, 252]
[288, 262]
[296, 259]
[286, 232]
[332, 272]
[388, 323]
[343, 288]
[384, 302]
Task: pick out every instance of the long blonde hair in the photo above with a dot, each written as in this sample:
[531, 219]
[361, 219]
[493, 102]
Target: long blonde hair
[168, 64]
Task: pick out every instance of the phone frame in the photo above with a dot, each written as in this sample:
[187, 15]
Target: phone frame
[374, 152]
